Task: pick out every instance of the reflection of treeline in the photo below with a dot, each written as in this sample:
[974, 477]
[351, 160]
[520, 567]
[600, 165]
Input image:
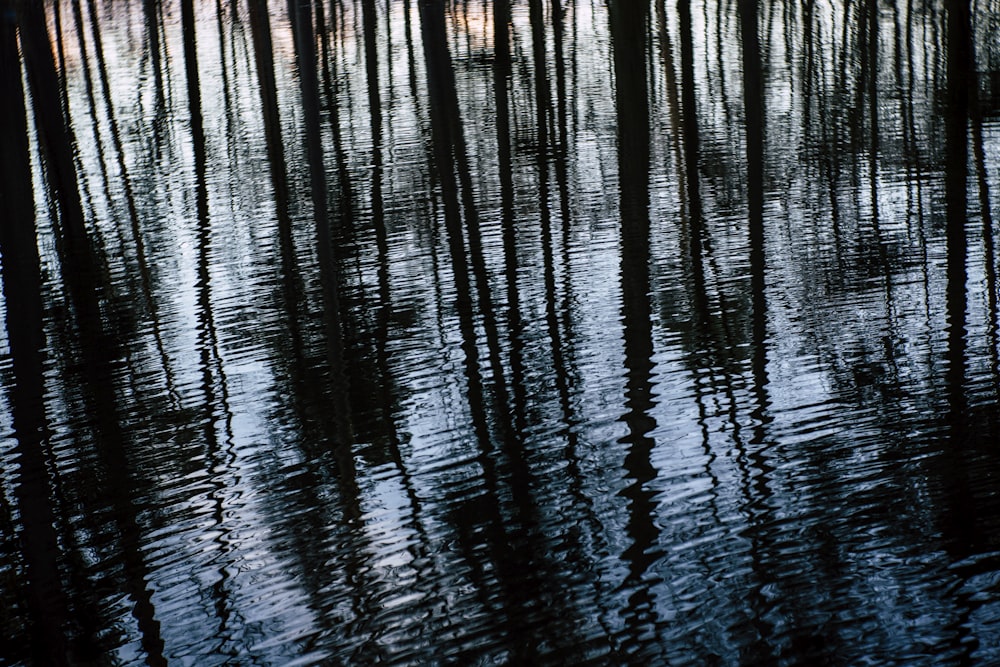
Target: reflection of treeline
[861, 89]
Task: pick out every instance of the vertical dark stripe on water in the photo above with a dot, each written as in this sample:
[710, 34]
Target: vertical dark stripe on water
[830, 140]
[260, 31]
[194, 94]
[986, 212]
[369, 21]
[331, 92]
[557, 314]
[544, 139]
[962, 518]
[502, 71]
[692, 147]
[959, 69]
[200, 158]
[151, 14]
[82, 276]
[91, 103]
[558, 39]
[341, 436]
[369, 18]
[97, 375]
[319, 565]
[305, 52]
[453, 169]
[628, 27]
[479, 516]
[673, 101]
[483, 516]
[903, 70]
[754, 466]
[810, 80]
[22, 285]
[689, 174]
[541, 79]
[158, 54]
[210, 362]
[960, 513]
[60, 50]
[474, 239]
[544, 148]
[55, 137]
[753, 103]
[227, 93]
[411, 60]
[874, 150]
[871, 81]
[521, 477]
[438, 64]
[565, 211]
[439, 76]
[135, 230]
[60, 63]
[531, 575]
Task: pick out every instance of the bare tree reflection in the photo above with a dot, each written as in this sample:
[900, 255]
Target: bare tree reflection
[22, 285]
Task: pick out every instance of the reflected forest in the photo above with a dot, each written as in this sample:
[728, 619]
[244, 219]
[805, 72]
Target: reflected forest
[528, 332]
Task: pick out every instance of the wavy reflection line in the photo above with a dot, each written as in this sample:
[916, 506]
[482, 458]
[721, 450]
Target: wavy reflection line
[136, 235]
[559, 320]
[91, 103]
[56, 143]
[99, 349]
[327, 256]
[628, 25]
[422, 549]
[986, 213]
[438, 67]
[79, 256]
[220, 462]
[960, 64]
[60, 62]
[21, 267]
[499, 564]
[914, 165]
[551, 138]
[331, 93]
[754, 466]
[960, 522]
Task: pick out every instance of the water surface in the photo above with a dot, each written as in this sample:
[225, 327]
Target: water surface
[541, 332]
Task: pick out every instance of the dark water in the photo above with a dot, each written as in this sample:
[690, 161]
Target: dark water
[545, 332]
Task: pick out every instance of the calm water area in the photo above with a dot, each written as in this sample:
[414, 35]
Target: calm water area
[528, 332]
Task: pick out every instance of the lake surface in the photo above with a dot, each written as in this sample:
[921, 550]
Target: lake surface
[544, 332]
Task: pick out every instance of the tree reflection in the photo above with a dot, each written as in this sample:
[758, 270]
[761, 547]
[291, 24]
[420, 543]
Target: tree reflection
[628, 25]
[302, 30]
[960, 61]
[546, 351]
[22, 285]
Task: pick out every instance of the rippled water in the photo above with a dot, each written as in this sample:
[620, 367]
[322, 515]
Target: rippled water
[544, 332]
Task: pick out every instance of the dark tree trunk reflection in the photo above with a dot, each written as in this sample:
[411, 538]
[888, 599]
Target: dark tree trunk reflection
[956, 198]
[56, 140]
[628, 27]
[302, 29]
[22, 284]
